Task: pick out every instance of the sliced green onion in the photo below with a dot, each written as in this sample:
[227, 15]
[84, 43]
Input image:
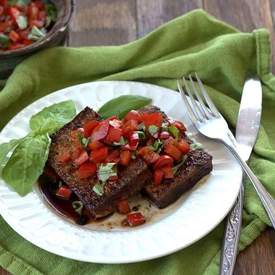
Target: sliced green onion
[174, 131]
[77, 206]
[98, 189]
[153, 129]
[22, 22]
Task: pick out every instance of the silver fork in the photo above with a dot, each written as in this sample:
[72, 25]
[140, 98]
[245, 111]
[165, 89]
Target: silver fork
[210, 123]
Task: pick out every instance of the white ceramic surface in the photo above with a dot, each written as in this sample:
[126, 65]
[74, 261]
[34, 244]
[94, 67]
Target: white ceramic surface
[189, 219]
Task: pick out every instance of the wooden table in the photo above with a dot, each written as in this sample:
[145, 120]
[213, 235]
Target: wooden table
[106, 22]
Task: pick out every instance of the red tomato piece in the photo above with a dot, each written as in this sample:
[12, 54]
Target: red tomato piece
[14, 13]
[148, 155]
[172, 151]
[158, 176]
[168, 172]
[114, 135]
[64, 157]
[163, 160]
[1, 10]
[42, 15]
[133, 141]
[101, 130]
[179, 125]
[14, 36]
[83, 157]
[33, 11]
[135, 219]
[133, 115]
[40, 5]
[130, 126]
[164, 135]
[116, 123]
[125, 157]
[64, 193]
[36, 23]
[93, 145]
[86, 170]
[27, 42]
[89, 127]
[114, 157]
[184, 146]
[123, 207]
[15, 46]
[152, 119]
[99, 155]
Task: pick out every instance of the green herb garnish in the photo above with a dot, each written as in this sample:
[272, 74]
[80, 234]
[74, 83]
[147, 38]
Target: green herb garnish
[121, 142]
[195, 145]
[105, 171]
[22, 22]
[179, 165]
[36, 34]
[174, 131]
[98, 189]
[4, 40]
[153, 129]
[141, 127]
[157, 146]
[77, 206]
[141, 134]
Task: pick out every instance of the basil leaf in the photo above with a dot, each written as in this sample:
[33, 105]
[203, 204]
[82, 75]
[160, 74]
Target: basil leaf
[5, 150]
[4, 40]
[98, 189]
[105, 171]
[174, 131]
[52, 118]
[22, 22]
[121, 105]
[36, 34]
[27, 163]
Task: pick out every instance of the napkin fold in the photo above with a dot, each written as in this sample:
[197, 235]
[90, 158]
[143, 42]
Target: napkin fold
[221, 55]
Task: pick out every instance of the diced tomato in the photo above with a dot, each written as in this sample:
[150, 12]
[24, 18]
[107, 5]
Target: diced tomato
[86, 170]
[116, 123]
[163, 160]
[27, 42]
[64, 157]
[93, 145]
[164, 135]
[15, 46]
[64, 193]
[14, 13]
[99, 155]
[82, 158]
[89, 127]
[168, 172]
[6, 26]
[158, 176]
[125, 157]
[114, 135]
[76, 152]
[179, 125]
[1, 10]
[33, 11]
[123, 207]
[114, 157]
[24, 34]
[130, 126]
[14, 36]
[135, 219]
[133, 140]
[42, 15]
[148, 155]
[40, 5]
[133, 115]
[152, 119]
[36, 23]
[184, 146]
[172, 151]
[101, 130]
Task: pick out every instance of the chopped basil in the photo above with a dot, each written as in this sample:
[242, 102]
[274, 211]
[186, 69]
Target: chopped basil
[77, 206]
[36, 33]
[98, 189]
[141, 134]
[157, 146]
[121, 142]
[141, 127]
[153, 129]
[179, 165]
[196, 145]
[4, 40]
[22, 22]
[174, 131]
[105, 171]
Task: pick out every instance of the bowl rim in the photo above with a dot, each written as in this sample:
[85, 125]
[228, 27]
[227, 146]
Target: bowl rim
[48, 37]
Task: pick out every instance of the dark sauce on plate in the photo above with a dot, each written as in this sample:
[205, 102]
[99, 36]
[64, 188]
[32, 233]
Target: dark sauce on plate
[49, 187]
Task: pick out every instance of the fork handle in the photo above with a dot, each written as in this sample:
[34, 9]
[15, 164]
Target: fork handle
[266, 199]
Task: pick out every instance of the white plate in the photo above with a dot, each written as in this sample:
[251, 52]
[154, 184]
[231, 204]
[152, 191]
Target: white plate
[183, 223]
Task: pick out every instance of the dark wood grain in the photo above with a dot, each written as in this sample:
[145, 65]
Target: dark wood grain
[110, 22]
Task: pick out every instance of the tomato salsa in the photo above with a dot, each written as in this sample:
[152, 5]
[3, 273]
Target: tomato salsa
[100, 147]
[23, 22]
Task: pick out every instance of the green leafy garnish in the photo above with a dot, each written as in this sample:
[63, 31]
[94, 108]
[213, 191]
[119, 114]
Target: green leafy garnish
[157, 146]
[4, 40]
[22, 161]
[98, 189]
[141, 127]
[121, 142]
[51, 118]
[77, 206]
[26, 163]
[121, 105]
[141, 134]
[105, 171]
[174, 131]
[195, 145]
[51, 14]
[164, 126]
[36, 34]
[22, 22]
[153, 129]
[179, 165]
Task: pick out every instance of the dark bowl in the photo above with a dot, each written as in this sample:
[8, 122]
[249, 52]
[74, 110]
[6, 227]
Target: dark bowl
[55, 37]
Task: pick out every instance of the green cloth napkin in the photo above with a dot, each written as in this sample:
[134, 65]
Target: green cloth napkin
[221, 55]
